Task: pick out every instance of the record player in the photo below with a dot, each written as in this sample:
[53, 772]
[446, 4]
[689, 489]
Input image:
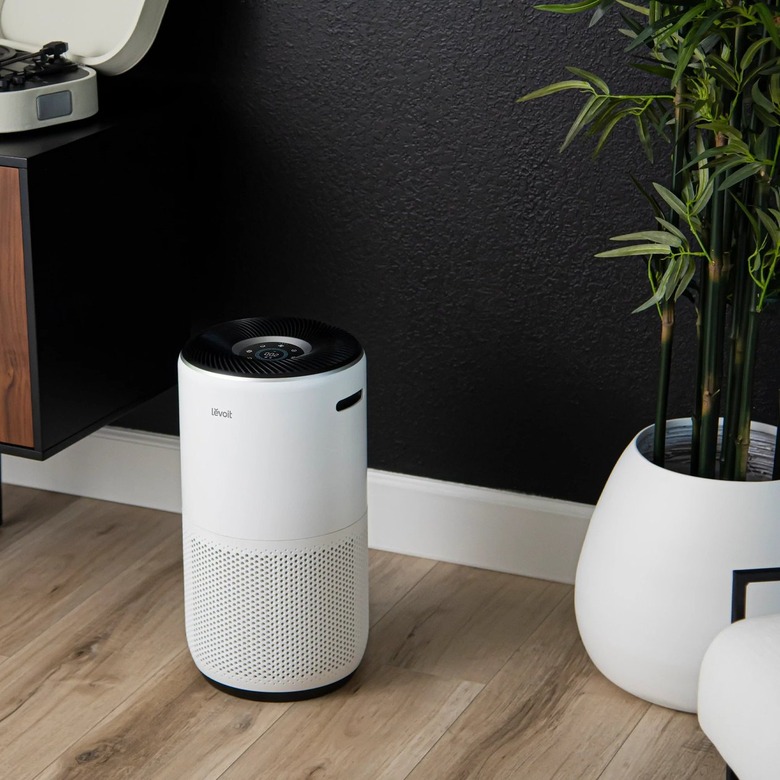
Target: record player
[52, 50]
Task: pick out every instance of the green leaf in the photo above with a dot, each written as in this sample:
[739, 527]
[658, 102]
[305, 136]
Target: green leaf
[722, 126]
[671, 200]
[644, 138]
[769, 224]
[720, 168]
[592, 105]
[683, 60]
[551, 89]
[725, 72]
[703, 196]
[673, 229]
[768, 20]
[678, 276]
[637, 249]
[761, 144]
[774, 90]
[750, 218]
[711, 152]
[686, 53]
[656, 236]
[650, 199]
[769, 119]
[686, 18]
[737, 152]
[745, 172]
[750, 54]
[663, 71]
[644, 37]
[591, 77]
[765, 67]
[652, 31]
[608, 130]
[686, 278]
[665, 287]
[647, 304]
[692, 42]
[598, 14]
[702, 172]
[637, 40]
[709, 43]
[640, 9]
[761, 100]
[669, 280]
[568, 8]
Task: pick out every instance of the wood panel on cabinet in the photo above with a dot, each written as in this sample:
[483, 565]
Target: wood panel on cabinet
[16, 416]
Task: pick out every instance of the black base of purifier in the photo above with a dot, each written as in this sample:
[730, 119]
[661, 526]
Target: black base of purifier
[311, 693]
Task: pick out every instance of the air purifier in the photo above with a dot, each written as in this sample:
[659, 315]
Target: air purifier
[273, 467]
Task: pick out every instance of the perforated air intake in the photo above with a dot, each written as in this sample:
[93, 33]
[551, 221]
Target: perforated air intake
[271, 620]
[331, 348]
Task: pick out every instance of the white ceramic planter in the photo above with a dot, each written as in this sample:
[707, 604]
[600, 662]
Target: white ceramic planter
[653, 583]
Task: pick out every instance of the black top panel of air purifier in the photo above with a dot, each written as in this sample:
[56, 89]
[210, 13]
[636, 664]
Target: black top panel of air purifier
[272, 347]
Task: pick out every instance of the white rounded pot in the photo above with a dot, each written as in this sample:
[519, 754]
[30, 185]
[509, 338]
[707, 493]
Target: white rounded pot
[653, 583]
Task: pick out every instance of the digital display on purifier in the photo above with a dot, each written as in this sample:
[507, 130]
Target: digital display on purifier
[272, 350]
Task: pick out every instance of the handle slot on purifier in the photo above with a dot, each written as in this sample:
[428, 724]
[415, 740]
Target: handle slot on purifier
[350, 400]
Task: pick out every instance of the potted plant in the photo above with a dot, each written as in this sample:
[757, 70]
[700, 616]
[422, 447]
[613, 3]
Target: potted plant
[690, 500]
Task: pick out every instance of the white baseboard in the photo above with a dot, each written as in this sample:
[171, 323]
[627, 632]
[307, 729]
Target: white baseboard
[490, 529]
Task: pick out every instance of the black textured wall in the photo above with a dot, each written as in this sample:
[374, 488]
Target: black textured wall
[366, 164]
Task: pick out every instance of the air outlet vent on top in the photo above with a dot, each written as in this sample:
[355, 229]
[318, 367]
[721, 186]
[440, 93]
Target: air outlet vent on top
[331, 348]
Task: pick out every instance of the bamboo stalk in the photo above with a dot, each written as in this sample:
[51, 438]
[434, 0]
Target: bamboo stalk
[747, 304]
[713, 315]
[711, 370]
[727, 221]
[743, 429]
[697, 402]
[664, 375]
[711, 356]
[740, 228]
[679, 156]
[736, 365]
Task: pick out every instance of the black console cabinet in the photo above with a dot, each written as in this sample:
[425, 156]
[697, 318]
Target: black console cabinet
[92, 300]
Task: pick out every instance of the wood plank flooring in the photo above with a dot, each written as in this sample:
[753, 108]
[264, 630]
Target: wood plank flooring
[468, 673]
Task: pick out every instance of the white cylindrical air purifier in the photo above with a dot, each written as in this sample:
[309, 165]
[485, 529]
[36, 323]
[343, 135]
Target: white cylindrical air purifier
[273, 466]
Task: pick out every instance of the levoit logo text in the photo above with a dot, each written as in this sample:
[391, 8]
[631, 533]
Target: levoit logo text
[221, 412]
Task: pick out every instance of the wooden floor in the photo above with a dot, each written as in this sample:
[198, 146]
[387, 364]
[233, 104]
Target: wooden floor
[468, 673]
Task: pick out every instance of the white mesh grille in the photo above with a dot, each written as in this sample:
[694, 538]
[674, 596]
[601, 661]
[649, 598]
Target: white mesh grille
[268, 620]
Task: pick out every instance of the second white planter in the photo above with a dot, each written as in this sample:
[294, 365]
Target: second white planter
[653, 583]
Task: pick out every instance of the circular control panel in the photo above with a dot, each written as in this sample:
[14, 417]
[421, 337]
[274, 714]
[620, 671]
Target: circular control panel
[277, 350]
[271, 353]
[272, 347]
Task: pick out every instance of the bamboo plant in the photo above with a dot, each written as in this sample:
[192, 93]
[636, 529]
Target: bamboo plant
[712, 234]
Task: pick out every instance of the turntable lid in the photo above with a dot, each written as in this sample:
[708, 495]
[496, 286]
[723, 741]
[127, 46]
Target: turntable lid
[110, 37]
